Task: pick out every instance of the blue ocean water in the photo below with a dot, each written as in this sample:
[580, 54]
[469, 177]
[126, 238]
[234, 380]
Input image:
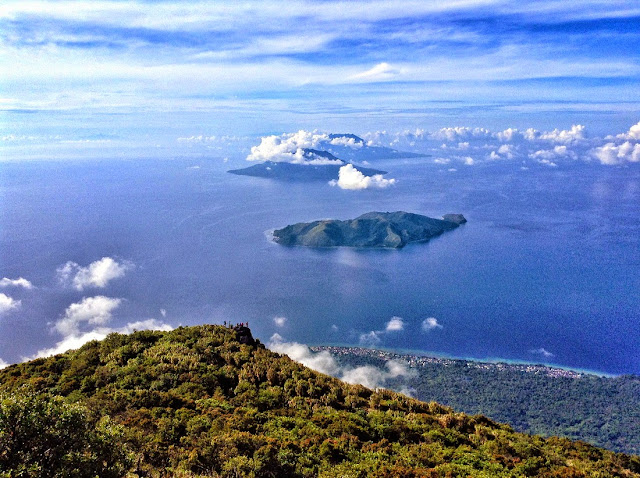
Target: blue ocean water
[546, 270]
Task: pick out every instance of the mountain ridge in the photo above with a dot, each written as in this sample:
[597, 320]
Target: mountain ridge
[196, 401]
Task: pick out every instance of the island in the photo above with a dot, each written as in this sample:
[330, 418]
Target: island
[298, 172]
[371, 230]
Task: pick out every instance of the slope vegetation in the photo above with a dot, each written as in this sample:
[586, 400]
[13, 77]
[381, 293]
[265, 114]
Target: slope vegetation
[206, 401]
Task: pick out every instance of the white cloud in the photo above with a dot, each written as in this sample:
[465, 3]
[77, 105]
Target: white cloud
[543, 352]
[350, 178]
[3, 364]
[77, 340]
[351, 142]
[612, 154]
[97, 274]
[461, 134]
[21, 282]
[576, 133]
[8, 304]
[324, 362]
[632, 134]
[370, 339]
[430, 323]
[91, 310]
[163, 312]
[395, 324]
[280, 321]
[380, 72]
[289, 148]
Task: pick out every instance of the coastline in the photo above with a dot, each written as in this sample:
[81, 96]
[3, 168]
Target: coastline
[421, 358]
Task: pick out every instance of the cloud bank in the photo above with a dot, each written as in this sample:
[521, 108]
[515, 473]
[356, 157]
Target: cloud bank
[351, 178]
[324, 362]
[475, 146]
[97, 274]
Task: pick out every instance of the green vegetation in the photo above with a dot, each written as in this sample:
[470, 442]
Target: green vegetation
[197, 402]
[374, 229]
[600, 410]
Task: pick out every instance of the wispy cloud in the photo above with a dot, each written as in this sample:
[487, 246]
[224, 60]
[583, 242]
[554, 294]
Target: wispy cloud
[542, 352]
[149, 54]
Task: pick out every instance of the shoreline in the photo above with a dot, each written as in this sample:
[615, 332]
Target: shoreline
[421, 358]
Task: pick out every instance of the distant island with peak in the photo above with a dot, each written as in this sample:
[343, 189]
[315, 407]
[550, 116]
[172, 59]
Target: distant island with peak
[370, 230]
[299, 172]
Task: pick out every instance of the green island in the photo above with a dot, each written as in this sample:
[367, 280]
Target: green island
[539, 399]
[210, 401]
[370, 230]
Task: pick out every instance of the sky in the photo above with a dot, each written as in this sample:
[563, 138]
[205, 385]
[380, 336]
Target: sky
[79, 74]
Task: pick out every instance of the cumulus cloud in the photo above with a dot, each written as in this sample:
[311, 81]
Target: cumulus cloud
[97, 274]
[290, 148]
[280, 321]
[395, 324]
[77, 340]
[3, 364]
[370, 339]
[88, 320]
[324, 362]
[90, 310]
[543, 352]
[21, 282]
[576, 133]
[430, 323]
[612, 154]
[351, 178]
[474, 145]
[8, 304]
[632, 134]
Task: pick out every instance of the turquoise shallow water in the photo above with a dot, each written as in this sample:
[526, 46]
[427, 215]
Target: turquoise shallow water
[546, 270]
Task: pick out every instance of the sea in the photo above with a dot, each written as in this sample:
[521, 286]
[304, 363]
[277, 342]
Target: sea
[546, 270]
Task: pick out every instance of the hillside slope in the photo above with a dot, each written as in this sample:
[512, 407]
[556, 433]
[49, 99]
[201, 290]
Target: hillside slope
[197, 402]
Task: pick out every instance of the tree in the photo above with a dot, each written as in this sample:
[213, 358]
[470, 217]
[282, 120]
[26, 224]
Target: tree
[41, 436]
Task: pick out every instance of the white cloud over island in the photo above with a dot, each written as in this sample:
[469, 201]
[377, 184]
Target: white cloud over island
[351, 178]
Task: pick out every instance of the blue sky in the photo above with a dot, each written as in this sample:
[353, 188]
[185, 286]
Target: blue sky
[154, 71]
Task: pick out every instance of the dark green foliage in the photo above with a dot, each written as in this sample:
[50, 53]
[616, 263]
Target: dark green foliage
[41, 436]
[374, 229]
[196, 402]
[602, 411]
